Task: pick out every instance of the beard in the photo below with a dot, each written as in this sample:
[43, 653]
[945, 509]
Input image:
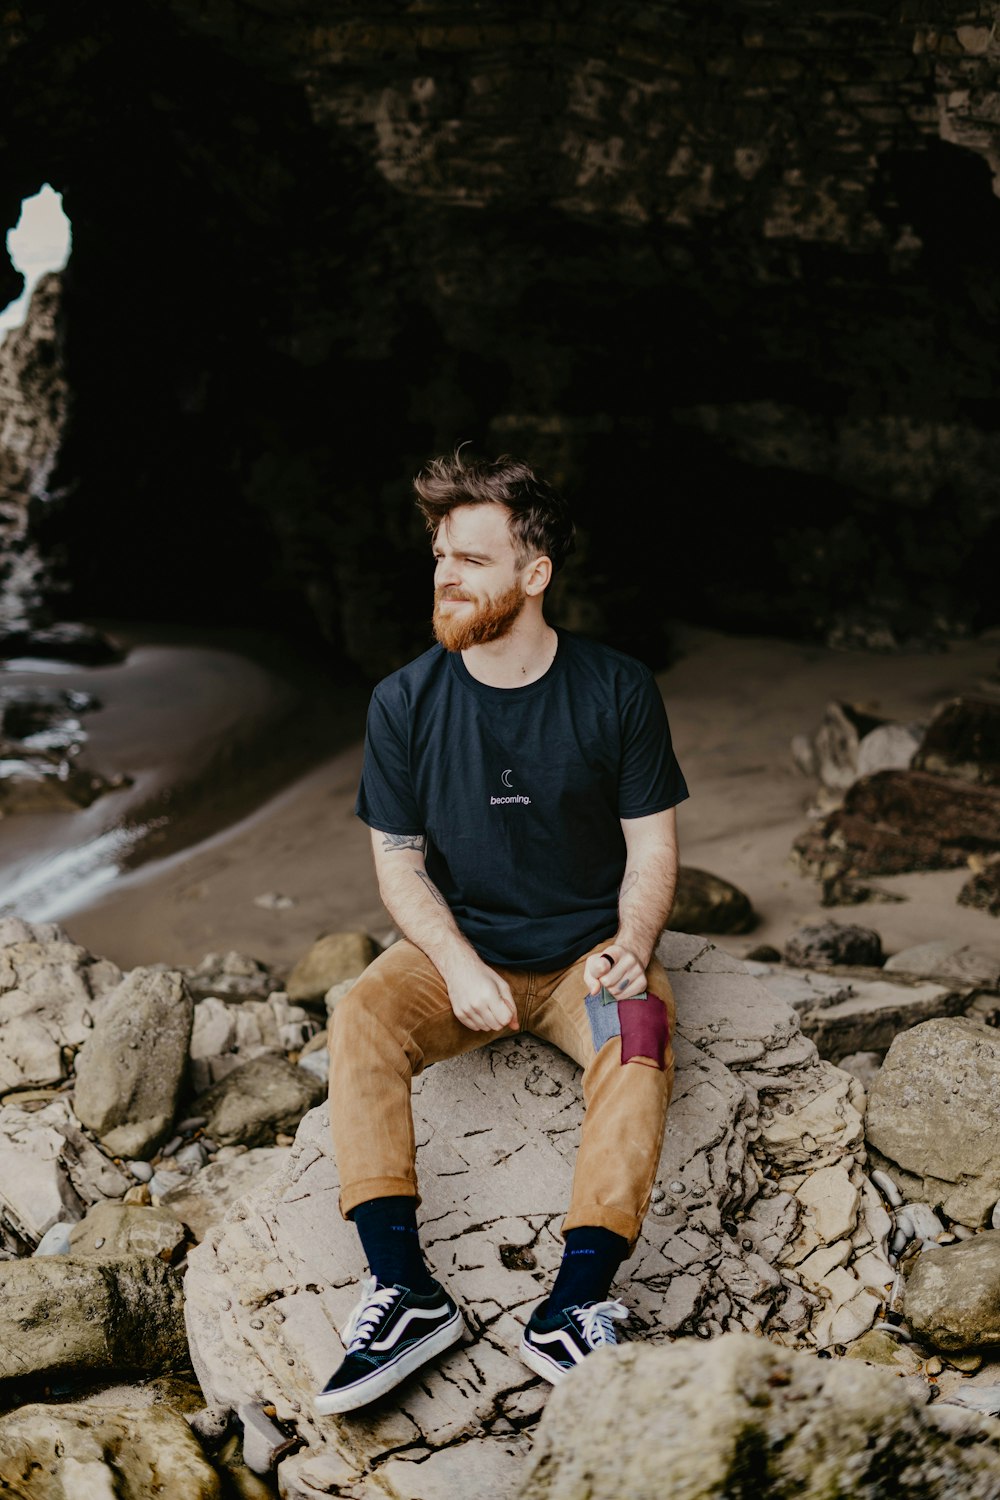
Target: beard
[487, 622]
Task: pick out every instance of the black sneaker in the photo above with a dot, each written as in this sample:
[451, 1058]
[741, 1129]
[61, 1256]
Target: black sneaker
[391, 1333]
[554, 1346]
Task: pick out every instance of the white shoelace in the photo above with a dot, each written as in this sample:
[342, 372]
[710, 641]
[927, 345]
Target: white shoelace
[595, 1322]
[375, 1300]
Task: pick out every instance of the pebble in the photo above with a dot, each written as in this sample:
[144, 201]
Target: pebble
[887, 1188]
[172, 1145]
[55, 1240]
[190, 1157]
[317, 1063]
[162, 1182]
[273, 901]
[141, 1170]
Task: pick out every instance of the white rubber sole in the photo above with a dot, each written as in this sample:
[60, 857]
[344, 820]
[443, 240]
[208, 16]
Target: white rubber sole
[547, 1368]
[331, 1403]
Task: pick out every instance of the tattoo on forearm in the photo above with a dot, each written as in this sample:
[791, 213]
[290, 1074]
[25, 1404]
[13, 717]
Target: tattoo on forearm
[425, 880]
[405, 841]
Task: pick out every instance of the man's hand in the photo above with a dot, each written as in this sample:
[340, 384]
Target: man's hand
[480, 999]
[618, 969]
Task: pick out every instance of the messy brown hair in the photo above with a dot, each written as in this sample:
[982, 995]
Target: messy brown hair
[540, 522]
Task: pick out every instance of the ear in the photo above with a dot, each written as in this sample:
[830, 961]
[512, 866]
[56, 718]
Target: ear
[537, 575]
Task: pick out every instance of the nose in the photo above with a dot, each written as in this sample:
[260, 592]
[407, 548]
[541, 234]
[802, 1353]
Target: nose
[445, 573]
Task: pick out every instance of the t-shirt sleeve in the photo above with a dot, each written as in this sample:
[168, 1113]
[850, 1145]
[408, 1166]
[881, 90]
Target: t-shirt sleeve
[650, 780]
[385, 797]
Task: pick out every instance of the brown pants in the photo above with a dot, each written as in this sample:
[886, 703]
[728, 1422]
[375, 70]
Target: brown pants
[397, 1019]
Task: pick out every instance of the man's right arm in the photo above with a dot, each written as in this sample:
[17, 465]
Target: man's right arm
[480, 998]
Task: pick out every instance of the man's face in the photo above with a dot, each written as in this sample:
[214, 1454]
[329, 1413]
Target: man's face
[478, 592]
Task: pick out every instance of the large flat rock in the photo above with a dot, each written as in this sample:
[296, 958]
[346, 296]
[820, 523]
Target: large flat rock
[756, 1114]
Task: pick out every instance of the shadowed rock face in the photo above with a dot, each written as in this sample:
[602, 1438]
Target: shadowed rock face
[728, 276]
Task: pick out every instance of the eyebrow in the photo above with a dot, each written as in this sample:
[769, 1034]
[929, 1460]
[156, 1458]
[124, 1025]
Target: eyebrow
[471, 556]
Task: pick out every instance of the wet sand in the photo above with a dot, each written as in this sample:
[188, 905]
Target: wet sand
[298, 865]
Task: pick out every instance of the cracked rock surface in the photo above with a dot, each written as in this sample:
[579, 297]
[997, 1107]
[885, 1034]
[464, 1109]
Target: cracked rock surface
[762, 1220]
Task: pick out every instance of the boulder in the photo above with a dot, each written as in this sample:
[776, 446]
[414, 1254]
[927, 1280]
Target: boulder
[707, 903]
[115, 1230]
[738, 1416]
[61, 1313]
[331, 959]
[258, 1101]
[129, 1074]
[762, 1166]
[932, 1117]
[50, 1171]
[952, 1294]
[51, 992]
[963, 740]
[820, 945]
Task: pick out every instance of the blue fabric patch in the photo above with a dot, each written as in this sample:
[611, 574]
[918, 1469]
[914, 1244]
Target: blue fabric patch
[602, 1013]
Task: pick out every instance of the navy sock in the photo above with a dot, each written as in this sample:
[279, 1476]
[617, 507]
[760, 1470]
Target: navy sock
[388, 1230]
[589, 1263]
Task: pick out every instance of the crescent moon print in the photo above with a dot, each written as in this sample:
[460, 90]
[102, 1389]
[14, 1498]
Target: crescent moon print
[505, 778]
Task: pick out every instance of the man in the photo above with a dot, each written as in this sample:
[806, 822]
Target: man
[520, 786]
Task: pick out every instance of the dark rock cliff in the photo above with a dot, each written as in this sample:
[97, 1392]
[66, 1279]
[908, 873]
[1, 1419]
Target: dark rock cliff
[727, 273]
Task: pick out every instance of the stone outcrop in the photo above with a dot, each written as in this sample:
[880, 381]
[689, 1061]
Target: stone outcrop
[34, 401]
[740, 1417]
[763, 1221]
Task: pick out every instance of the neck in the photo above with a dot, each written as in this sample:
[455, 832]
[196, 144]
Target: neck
[521, 656]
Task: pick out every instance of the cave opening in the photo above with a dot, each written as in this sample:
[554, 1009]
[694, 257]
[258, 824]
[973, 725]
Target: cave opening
[40, 242]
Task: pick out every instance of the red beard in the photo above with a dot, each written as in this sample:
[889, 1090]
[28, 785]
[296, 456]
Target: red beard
[487, 622]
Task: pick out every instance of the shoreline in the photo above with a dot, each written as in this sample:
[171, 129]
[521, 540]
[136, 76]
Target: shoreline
[299, 864]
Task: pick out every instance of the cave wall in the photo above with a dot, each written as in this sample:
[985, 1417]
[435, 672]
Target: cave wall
[728, 273]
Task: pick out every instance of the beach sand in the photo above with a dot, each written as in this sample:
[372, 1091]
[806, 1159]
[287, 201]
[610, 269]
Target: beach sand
[299, 865]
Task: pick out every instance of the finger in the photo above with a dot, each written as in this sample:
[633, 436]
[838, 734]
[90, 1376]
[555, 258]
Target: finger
[596, 978]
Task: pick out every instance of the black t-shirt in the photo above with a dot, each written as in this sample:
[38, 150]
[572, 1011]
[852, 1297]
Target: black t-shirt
[520, 791]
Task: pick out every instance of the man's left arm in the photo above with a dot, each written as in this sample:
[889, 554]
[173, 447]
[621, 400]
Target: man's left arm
[645, 901]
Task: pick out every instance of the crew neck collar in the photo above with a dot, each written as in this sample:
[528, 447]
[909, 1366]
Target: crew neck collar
[485, 689]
